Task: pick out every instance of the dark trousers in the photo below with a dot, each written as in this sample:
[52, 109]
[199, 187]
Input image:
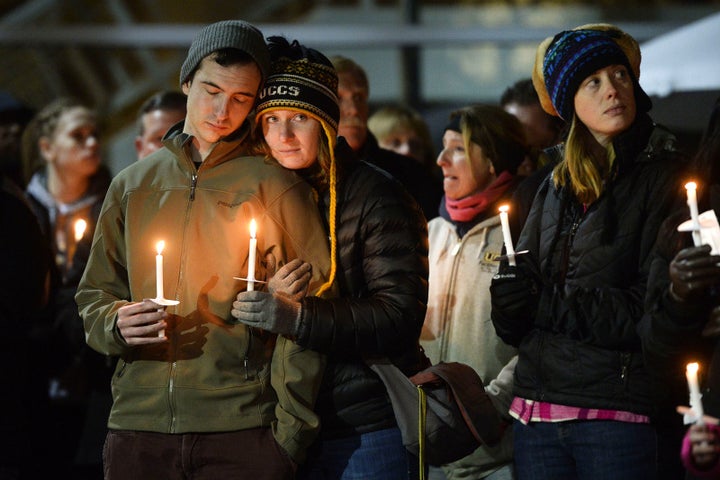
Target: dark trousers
[251, 454]
[378, 455]
[584, 450]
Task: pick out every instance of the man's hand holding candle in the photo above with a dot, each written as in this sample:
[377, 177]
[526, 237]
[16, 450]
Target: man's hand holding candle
[140, 323]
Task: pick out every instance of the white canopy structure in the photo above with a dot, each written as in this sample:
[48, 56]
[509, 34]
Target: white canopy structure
[686, 59]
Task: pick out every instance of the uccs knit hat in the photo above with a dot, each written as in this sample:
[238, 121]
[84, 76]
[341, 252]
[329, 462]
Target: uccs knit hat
[301, 78]
[227, 34]
[304, 80]
[563, 61]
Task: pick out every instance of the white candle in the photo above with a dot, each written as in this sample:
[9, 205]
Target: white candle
[695, 396]
[159, 269]
[691, 188]
[251, 256]
[80, 227]
[507, 238]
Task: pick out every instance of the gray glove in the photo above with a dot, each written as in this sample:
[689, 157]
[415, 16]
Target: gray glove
[292, 279]
[274, 312]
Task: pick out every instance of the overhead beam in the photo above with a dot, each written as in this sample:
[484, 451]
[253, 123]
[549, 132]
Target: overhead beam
[180, 36]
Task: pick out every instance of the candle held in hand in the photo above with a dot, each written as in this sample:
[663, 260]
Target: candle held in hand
[507, 237]
[159, 269]
[691, 188]
[695, 396]
[251, 256]
[160, 298]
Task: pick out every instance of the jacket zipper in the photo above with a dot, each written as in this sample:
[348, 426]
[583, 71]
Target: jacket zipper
[171, 391]
[192, 186]
[246, 358]
[566, 253]
[122, 368]
[625, 357]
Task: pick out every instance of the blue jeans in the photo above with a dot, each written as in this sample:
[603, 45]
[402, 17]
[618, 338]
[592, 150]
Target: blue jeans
[584, 450]
[376, 455]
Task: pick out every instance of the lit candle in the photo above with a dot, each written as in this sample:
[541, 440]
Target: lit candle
[691, 188]
[507, 238]
[159, 269]
[251, 256]
[80, 227]
[695, 396]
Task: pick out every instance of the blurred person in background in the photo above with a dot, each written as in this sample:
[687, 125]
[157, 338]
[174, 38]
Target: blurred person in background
[14, 117]
[353, 94]
[24, 285]
[543, 131]
[157, 114]
[61, 148]
[403, 130]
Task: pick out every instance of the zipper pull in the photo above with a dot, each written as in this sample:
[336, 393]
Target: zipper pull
[192, 186]
[245, 364]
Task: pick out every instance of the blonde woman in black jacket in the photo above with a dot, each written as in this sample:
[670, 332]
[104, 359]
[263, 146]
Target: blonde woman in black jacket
[378, 241]
[583, 396]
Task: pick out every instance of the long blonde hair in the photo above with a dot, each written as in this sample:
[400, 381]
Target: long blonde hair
[325, 178]
[583, 170]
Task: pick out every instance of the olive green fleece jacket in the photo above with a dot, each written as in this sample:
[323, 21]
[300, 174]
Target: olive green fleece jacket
[211, 375]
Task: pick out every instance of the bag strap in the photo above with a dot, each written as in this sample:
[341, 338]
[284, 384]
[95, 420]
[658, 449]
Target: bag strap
[422, 415]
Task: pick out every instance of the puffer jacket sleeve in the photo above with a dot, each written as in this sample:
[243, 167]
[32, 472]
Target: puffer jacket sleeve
[511, 325]
[670, 329]
[103, 288]
[383, 271]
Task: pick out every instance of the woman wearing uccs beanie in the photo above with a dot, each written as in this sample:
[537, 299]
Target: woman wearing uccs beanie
[378, 239]
[583, 397]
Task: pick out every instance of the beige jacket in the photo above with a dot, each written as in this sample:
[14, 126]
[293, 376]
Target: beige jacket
[458, 328]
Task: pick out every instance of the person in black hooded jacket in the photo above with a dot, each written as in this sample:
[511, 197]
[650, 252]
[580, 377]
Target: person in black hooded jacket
[584, 399]
[682, 320]
[379, 246]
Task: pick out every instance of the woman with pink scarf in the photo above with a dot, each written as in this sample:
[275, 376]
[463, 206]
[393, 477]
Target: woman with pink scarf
[482, 147]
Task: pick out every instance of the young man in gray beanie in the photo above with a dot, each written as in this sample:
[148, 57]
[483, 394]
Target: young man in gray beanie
[195, 395]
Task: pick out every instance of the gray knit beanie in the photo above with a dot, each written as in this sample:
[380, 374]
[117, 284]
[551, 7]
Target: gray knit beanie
[227, 34]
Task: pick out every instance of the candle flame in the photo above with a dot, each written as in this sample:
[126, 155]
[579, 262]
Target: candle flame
[503, 208]
[80, 227]
[253, 228]
[160, 246]
[691, 185]
[693, 367]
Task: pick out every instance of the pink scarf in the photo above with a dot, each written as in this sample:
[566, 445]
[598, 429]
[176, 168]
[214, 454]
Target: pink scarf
[467, 208]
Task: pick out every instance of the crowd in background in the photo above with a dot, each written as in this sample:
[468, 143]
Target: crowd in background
[373, 242]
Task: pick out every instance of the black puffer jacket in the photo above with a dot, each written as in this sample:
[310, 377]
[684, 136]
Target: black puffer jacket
[382, 278]
[581, 348]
